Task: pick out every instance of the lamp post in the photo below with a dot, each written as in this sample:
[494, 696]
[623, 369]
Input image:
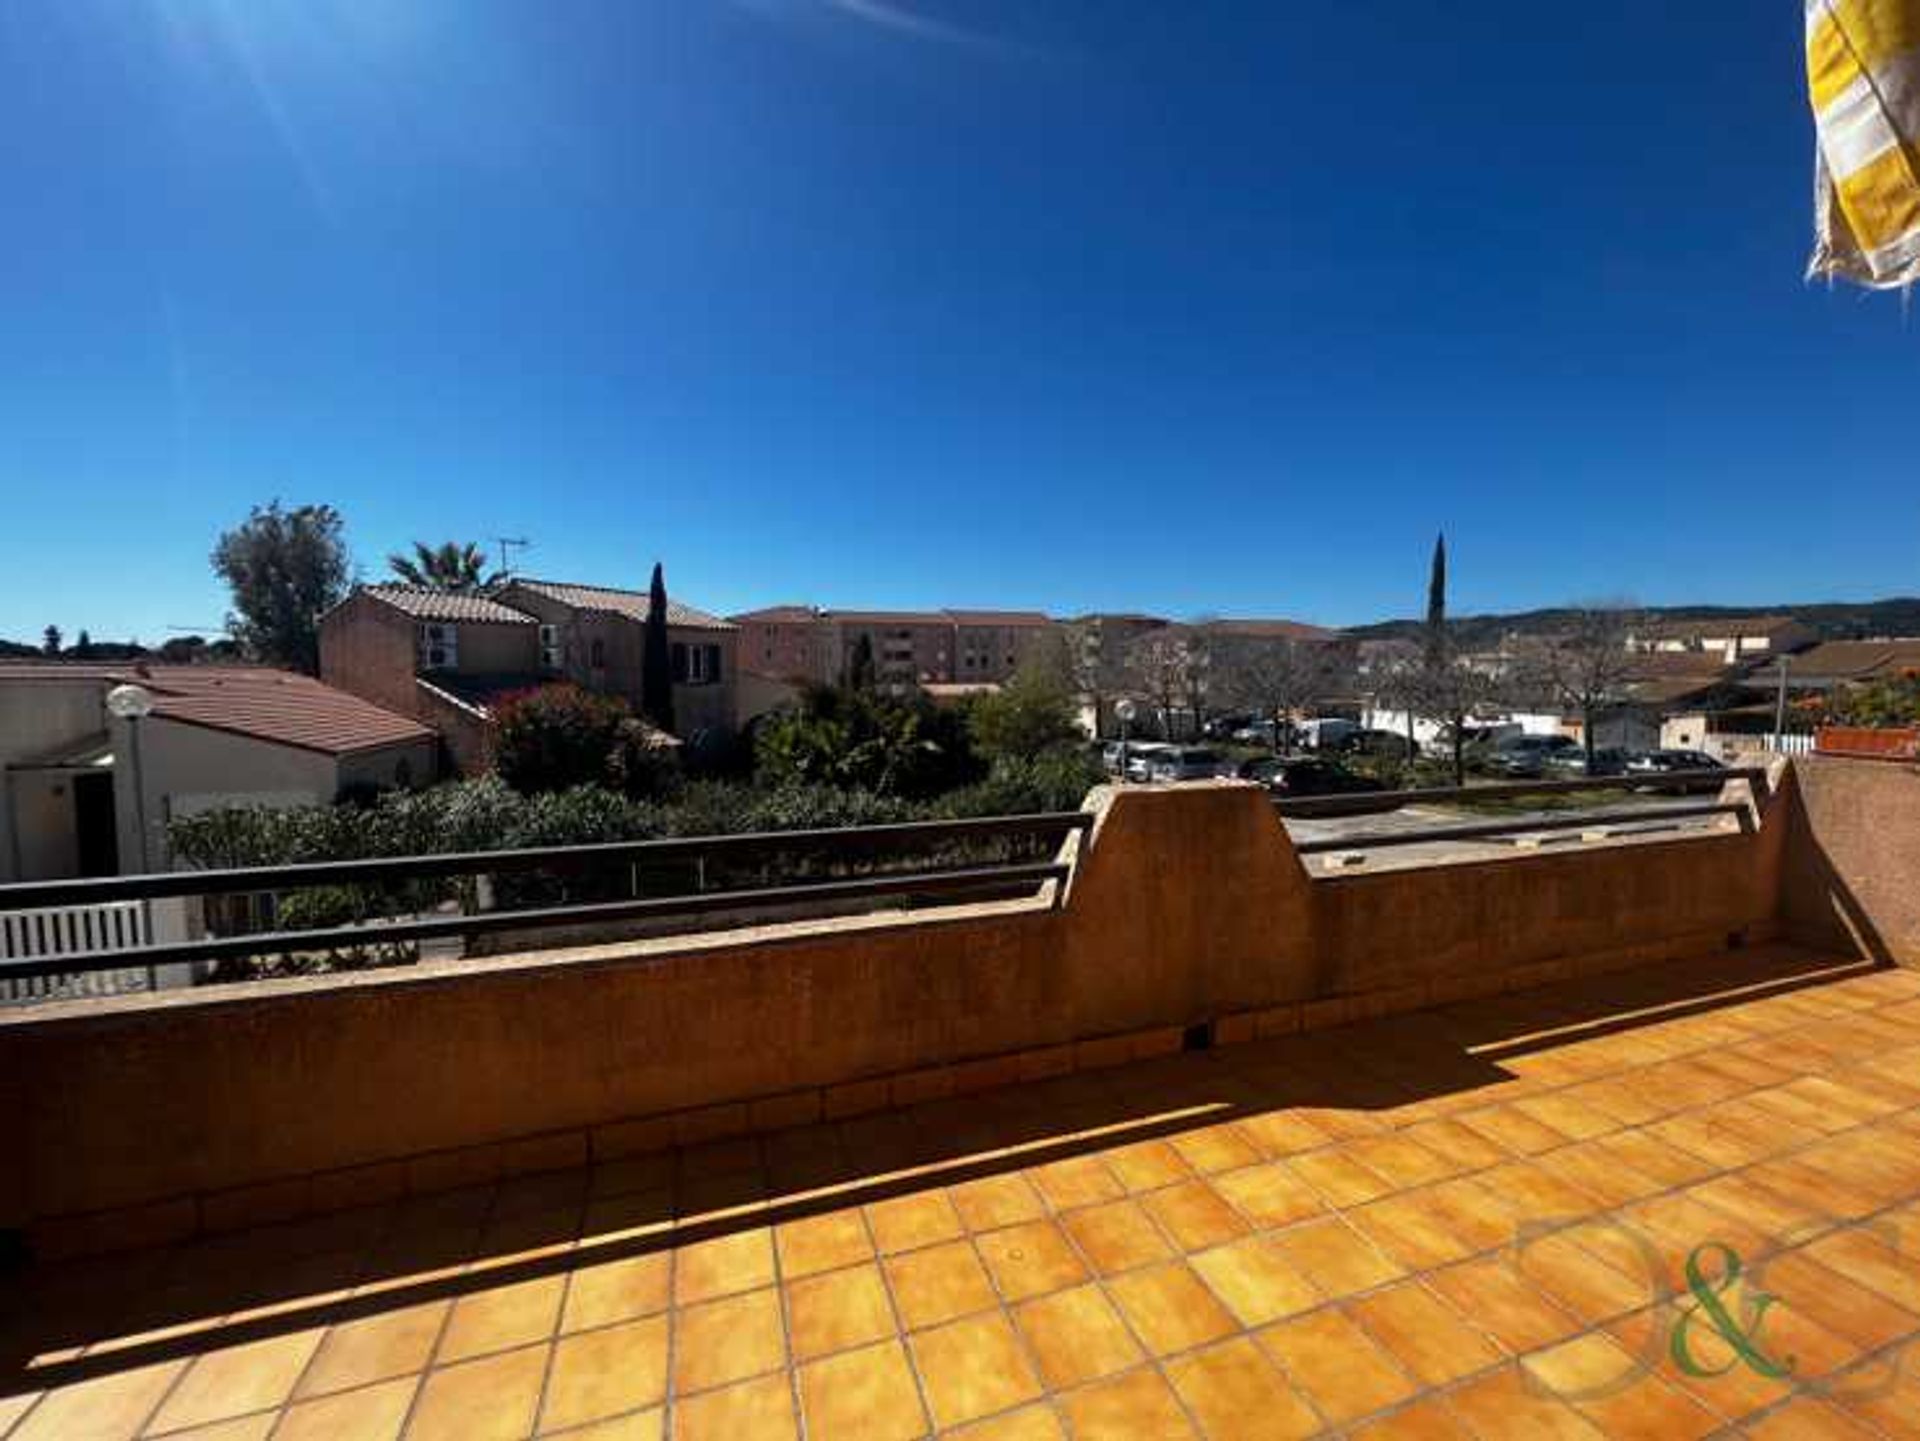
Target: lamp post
[1123, 711]
[132, 704]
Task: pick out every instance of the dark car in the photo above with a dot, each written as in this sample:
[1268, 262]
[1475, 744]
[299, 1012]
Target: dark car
[1372, 741]
[1606, 761]
[1668, 762]
[1305, 776]
[1525, 757]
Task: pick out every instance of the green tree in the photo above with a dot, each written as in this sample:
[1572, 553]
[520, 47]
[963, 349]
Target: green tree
[1032, 713]
[656, 657]
[283, 567]
[861, 672]
[50, 640]
[460, 569]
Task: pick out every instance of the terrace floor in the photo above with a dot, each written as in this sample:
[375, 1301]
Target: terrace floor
[1469, 1222]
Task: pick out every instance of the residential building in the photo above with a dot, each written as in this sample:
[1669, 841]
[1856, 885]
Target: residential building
[86, 793]
[447, 659]
[1734, 638]
[910, 647]
[595, 636]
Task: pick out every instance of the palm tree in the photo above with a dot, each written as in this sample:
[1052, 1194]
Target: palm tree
[452, 567]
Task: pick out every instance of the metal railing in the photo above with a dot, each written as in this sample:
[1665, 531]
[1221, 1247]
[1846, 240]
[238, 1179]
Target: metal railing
[967, 880]
[1374, 802]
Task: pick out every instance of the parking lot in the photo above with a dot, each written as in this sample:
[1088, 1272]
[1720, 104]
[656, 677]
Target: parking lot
[1653, 827]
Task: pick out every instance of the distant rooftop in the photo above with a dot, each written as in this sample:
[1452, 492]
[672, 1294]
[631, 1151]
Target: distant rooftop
[424, 603]
[610, 600]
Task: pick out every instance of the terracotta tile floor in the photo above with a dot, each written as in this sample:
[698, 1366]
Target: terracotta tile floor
[1468, 1222]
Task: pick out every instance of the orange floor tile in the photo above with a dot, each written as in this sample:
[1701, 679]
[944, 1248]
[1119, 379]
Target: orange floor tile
[1509, 1218]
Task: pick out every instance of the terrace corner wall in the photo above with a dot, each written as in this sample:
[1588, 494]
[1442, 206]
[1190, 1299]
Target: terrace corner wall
[1852, 873]
[1187, 907]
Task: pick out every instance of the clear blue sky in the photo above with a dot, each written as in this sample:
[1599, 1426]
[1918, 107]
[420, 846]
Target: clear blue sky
[1071, 303]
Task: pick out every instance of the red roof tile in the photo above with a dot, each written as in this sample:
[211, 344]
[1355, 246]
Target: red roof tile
[272, 705]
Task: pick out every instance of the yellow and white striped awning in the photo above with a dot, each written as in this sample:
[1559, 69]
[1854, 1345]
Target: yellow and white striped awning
[1863, 74]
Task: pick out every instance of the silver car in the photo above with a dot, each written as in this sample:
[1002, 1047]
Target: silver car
[1184, 763]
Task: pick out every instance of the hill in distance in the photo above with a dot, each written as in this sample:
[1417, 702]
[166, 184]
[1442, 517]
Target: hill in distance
[1833, 620]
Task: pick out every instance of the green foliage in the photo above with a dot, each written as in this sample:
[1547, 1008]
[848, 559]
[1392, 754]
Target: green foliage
[460, 569]
[656, 657]
[1032, 714]
[1893, 701]
[1056, 780]
[859, 740]
[560, 736]
[284, 567]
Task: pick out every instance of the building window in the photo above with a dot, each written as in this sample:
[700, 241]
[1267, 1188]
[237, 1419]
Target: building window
[438, 647]
[550, 647]
[695, 664]
[597, 654]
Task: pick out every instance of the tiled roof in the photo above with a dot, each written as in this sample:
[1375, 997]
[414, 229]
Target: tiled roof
[424, 604]
[777, 615]
[1271, 629]
[1716, 626]
[1679, 665]
[630, 603]
[889, 617]
[999, 617]
[1853, 660]
[272, 705]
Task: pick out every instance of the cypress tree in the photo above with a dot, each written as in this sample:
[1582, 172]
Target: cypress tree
[656, 660]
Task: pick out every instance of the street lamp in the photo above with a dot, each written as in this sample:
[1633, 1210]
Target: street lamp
[133, 704]
[1123, 711]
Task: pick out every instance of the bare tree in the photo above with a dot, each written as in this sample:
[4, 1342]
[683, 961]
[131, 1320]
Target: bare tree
[1096, 662]
[1156, 667]
[1271, 677]
[1585, 668]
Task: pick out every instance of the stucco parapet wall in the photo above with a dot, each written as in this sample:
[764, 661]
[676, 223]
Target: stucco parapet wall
[1188, 906]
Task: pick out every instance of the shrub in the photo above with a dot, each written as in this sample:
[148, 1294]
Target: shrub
[560, 736]
[1033, 713]
[861, 741]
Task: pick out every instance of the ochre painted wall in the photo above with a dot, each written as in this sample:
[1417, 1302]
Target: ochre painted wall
[1187, 905]
[1852, 874]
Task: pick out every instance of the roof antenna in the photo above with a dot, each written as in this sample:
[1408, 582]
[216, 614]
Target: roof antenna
[505, 542]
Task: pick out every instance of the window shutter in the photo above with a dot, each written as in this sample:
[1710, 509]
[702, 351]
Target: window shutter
[679, 652]
[713, 663]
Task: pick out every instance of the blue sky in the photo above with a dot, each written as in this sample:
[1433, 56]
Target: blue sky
[1071, 303]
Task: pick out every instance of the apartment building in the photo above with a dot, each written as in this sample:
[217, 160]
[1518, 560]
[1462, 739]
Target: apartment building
[910, 647]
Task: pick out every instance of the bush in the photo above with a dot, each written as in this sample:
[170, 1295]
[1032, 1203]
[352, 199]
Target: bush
[1055, 781]
[1032, 714]
[856, 740]
[560, 736]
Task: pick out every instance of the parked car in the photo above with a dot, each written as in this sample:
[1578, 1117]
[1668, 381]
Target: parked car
[1305, 776]
[1326, 732]
[1371, 741]
[1263, 733]
[1607, 761]
[1225, 727]
[1183, 763]
[1523, 757]
[1478, 738]
[1665, 762]
[1138, 754]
